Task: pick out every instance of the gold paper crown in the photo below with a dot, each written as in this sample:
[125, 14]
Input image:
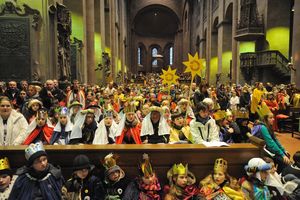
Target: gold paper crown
[42, 114]
[228, 113]
[220, 165]
[33, 148]
[4, 163]
[156, 108]
[263, 110]
[220, 114]
[131, 107]
[146, 166]
[180, 169]
[109, 161]
[241, 114]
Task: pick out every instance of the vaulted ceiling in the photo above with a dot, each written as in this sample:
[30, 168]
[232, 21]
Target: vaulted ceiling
[156, 21]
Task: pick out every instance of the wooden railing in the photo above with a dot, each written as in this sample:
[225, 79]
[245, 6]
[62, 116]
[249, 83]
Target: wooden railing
[271, 58]
[163, 156]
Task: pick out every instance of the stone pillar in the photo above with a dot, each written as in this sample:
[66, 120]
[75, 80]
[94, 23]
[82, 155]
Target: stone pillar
[208, 41]
[220, 38]
[296, 45]
[234, 45]
[112, 12]
[89, 20]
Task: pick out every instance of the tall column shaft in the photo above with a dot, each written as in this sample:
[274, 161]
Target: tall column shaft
[234, 67]
[90, 40]
[296, 44]
[208, 43]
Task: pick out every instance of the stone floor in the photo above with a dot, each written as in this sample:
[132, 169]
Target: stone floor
[291, 144]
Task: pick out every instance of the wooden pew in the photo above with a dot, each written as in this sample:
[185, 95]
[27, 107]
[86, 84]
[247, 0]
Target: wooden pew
[200, 158]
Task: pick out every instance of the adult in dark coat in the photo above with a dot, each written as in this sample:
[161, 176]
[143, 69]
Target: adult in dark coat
[49, 94]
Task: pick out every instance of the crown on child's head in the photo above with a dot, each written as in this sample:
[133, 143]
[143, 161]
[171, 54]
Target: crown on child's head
[109, 112]
[145, 166]
[220, 165]
[33, 148]
[4, 163]
[109, 161]
[131, 107]
[42, 114]
[64, 111]
[263, 110]
[180, 169]
[219, 115]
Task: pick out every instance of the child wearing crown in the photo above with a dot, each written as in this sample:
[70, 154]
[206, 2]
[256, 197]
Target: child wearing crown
[182, 184]
[219, 185]
[107, 128]
[115, 181]
[40, 129]
[62, 129]
[7, 178]
[129, 128]
[38, 179]
[146, 186]
[179, 133]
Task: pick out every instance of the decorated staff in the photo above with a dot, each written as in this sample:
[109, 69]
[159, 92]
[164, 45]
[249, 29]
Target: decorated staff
[195, 66]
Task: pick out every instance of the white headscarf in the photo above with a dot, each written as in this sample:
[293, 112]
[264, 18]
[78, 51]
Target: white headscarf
[100, 134]
[121, 124]
[78, 126]
[147, 127]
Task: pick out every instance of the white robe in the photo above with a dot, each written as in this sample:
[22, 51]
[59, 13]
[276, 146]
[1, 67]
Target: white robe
[101, 135]
[147, 127]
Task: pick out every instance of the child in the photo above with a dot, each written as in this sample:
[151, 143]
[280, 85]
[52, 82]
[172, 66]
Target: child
[294, 168]
[203, 127]
[63, 128]
[7, 178]
[115, 181]
[82, 184]
[219, 185]
[40, 129]
[146, 186]
[107, 128]
[181, 184]
[38, 179]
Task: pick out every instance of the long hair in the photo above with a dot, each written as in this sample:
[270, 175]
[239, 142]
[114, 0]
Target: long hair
[268, 125]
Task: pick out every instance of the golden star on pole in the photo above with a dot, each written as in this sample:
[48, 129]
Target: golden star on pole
[194, 65]
[169, 77]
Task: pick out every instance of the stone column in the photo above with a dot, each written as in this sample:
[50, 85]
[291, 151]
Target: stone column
[296, 45]
[89, 20]
[220, 38]
[112, 12]
[234, 45]
[208, 41]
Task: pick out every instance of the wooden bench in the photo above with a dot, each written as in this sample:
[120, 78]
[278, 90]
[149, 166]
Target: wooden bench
[163, 156]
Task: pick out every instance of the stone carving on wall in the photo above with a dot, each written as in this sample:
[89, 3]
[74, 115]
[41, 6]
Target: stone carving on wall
[105, 65]
[76, 47]
[10, 7]
[16, 54]
[64, 30]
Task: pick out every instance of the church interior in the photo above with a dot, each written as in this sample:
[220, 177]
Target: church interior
[149, 99]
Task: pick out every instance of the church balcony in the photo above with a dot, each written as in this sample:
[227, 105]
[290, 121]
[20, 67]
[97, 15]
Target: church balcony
[272, 60]
[249, 33]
